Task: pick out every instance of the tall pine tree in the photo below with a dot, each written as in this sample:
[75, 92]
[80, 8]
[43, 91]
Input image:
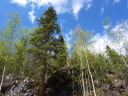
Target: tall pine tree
[60, 52]
[43, 42]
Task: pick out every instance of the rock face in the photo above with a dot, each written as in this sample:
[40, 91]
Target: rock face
[60, 84]
[21, 88]
[57, 84]
[116, 87]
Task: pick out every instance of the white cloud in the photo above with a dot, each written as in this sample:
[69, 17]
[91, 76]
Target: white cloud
[88, 6]
[20, 2]
[62, 21]
[32, 17]
[116, 1]
[101, 41]
[67, 39]
[102, 11]
[61, 6]
[71, 32]
[77, 5]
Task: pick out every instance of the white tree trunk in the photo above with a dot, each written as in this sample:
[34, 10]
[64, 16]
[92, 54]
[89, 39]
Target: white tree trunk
[94, 91]
[3, 74]
[124, 61]
[82, 77]
[87, 86]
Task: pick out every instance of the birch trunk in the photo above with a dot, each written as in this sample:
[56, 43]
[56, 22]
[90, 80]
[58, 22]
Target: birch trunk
[124, 61]
[87, 89]
[91, 76]
[82, 77]
[2, 79]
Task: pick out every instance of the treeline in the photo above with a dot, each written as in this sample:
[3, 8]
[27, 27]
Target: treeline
[38, 52]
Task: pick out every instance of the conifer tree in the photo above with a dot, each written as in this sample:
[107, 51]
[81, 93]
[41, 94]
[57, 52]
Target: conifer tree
[116, 64]
[43, 42]
[60, 52]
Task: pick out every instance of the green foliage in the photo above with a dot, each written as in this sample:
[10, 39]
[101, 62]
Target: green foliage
[43, 40]
[60, 56]
[7, 39]
[38, 54]
[116, 64]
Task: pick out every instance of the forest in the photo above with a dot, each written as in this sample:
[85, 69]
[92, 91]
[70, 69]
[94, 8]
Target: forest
[36, 61]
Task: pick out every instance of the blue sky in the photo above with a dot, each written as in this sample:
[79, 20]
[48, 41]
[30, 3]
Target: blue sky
[87, 13]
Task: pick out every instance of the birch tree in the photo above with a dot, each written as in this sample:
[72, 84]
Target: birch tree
[8, 38]
[118, 35]
[82, 41]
